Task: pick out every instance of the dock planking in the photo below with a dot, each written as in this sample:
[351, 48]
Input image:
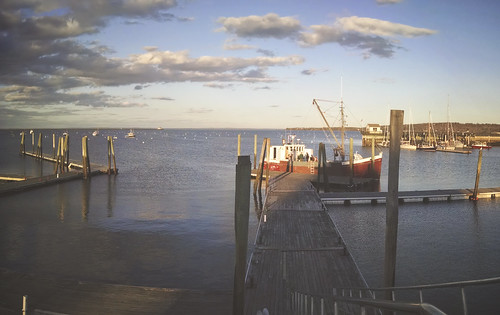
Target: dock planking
[297, 249]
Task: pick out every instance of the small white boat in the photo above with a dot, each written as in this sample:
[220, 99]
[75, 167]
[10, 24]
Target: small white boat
[130, 134]
[95, 133]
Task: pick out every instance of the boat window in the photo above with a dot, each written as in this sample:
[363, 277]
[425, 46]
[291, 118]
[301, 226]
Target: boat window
[274, 154]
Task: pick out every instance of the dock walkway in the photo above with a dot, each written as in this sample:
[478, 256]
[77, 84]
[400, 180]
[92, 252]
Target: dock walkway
[298, 249]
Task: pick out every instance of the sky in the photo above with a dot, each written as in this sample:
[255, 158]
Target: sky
[246, 64]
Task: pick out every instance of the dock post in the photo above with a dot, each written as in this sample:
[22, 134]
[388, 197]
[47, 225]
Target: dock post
[322, 174]
[85, 158]
[111, 155]
[56, 169]
[22, 147]
[239, 144]
[54, 145]
[241, 215]
[268, 148]
[39, 146]
[258, 179]
[255, 150]
[351, 160]
[32, 141]
[391, 220]
[373, 155]
[478, 173]
[66, 152]
[25, 304]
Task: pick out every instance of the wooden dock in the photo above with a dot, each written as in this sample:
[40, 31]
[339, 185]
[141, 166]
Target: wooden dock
[299, 255]
[408, 196]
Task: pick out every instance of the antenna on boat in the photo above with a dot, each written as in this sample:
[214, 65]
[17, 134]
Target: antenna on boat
[342, 127]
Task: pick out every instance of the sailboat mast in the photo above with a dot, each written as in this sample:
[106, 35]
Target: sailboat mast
[342, 127]
[326, 121]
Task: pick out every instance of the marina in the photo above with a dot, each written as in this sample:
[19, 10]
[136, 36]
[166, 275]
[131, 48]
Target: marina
[109, 212]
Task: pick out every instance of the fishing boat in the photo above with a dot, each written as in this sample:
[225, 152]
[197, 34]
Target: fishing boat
[481, 145]
[291, 156]
[130, 134]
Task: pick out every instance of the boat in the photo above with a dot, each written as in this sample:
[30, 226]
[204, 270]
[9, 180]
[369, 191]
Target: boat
[291, 155]
[130, 134]
[481, 145]
[95, 133]
[430, 144]
[409, 144]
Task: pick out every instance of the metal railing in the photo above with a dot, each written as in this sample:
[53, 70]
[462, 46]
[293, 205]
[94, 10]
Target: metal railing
[348, 293]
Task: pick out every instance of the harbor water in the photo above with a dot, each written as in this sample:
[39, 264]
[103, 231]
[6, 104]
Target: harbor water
[167, 218]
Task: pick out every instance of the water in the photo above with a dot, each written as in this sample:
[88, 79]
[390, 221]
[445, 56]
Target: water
[167, 219]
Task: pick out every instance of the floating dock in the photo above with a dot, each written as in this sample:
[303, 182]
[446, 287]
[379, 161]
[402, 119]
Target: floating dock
[408, 196]
[299, 255]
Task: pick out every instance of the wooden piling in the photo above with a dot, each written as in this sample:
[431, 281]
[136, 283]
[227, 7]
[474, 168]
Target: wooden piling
[241, 215]
[85, 157]
[53, 145]
[322, 172]
[58, 168]
[372, 170]
[255, 150]
[32, 141]
[22, 147]
[351, 159]
[111, 155]
[268, 153]
[66, 151]
[239, 144]
[25, 304]
[39, 146]
[478, 173]
[260, 171]
[391, 233]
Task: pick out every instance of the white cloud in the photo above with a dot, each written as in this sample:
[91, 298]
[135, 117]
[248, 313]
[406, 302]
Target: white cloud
[267, 26]
[369, 26]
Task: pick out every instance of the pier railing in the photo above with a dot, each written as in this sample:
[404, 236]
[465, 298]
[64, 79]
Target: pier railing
[347, 295]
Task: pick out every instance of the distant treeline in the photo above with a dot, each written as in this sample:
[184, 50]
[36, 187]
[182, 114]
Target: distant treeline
[458, 128]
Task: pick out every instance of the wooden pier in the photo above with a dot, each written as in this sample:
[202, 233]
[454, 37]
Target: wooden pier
[299, 256]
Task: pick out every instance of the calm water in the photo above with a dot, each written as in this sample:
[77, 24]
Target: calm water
[167, 218]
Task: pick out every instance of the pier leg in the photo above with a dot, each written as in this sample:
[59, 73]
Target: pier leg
[351, 160]
[391, 232]
[268, 148]
[260, 170]
[39, 146]
[53, 145]
[32, 142]
[66, 151]
[478, 173]
[241, 214]
[239, 144]
[255, 150]
[22, 147]
[85, 158]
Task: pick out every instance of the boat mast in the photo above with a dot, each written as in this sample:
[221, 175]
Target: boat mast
[342, 127]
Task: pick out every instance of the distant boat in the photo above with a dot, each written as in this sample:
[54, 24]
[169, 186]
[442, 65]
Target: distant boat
[130, 134]
[481, 145]
[430, 145]
[409, 144]
[95, 133]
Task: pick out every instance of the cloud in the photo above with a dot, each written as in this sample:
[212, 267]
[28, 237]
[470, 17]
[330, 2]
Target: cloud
[369, 26]
[199, 110]
[267, 26]
[382, 2]
[164, 98]
[312, 71]
[218, 85]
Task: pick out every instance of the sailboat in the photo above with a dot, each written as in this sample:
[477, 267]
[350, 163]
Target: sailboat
[130, 134]
[409, 144]
[430, 145]
[341, 166]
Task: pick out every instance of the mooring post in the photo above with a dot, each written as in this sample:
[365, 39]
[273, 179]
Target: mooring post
[351, 160]
[239, 144]
[241, 214]
[22, 147]
[39, 146]
[85, 158]
[391, 220]
[258, 178]
[25, 304]
[66, 151]
[255, 151]
[111, 154]
[268, 148]
[54, 145]
[478, 173]
[373, 153]
[32, 141]
[56, 169]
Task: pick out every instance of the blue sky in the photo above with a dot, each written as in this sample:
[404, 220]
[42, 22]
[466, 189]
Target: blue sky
[245, 64]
